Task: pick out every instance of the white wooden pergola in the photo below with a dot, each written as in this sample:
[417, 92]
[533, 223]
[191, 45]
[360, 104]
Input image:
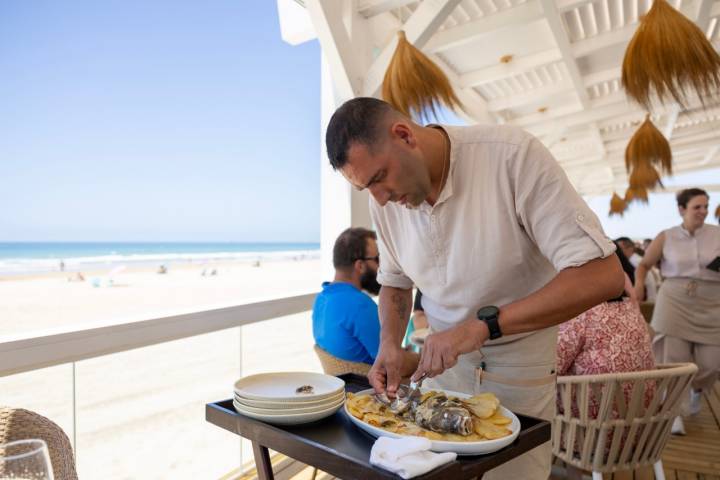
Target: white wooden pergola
[551, 67]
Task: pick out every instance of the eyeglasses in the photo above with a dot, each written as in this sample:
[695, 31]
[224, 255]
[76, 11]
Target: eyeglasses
[376, 258]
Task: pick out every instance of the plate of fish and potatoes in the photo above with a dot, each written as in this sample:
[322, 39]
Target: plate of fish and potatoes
[452, 421]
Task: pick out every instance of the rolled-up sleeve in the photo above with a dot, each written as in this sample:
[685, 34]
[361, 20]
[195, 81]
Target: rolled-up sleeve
[552, 213]
[390, 274]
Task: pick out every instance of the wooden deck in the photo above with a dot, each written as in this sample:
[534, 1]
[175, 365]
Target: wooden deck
[695, 456]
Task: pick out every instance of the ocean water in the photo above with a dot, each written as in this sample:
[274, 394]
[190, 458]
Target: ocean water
[42, 257]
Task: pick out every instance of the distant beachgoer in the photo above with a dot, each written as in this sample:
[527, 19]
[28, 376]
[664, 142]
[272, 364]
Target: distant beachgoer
[162, 270]
[213, 272]
[62, 266]
[78, 277]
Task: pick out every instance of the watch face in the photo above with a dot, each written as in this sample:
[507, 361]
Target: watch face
[488, 312]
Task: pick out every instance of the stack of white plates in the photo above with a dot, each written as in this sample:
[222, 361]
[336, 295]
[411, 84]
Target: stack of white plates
[289, 398]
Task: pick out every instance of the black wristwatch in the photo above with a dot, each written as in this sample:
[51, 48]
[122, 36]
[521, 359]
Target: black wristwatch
[490, 315]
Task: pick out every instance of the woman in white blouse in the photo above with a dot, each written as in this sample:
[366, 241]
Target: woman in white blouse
[687, 310]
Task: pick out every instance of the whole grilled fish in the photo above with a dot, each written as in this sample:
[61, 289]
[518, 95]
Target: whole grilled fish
[441, 414]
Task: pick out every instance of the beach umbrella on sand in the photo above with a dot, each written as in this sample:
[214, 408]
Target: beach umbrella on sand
[414, 83]
[669, 56]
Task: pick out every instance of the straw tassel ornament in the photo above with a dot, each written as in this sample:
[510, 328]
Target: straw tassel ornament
[617, 205]
[671, 57]
[644, 176]
[414, 84]
[650, 147]
[648, 150]
[637, 194]
[717, 212]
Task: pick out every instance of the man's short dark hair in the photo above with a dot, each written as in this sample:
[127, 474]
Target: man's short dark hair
[684, 196]
[350, 246]
[625, 242]
[359, 120]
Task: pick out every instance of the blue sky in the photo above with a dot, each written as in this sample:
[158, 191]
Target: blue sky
[161, 120]
[174, 120]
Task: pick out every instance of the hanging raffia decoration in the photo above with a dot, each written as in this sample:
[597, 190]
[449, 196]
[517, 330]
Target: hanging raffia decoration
[637, 194]
[717, 212]
[669, 55]
[648, 150]
[617, 205]
[644, 176]
[414, 84]
[648, 146]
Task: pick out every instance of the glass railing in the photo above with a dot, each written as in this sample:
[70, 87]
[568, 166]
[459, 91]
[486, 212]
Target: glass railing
[140, 412]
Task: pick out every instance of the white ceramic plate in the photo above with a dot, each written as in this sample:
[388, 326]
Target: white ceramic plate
[294, 419]
[288, 411]
[418, 336]
[278, 405]
[283, 386]
[461, 448]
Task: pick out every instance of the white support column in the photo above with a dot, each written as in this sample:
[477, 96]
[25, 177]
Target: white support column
[341, 206]
[327, 19]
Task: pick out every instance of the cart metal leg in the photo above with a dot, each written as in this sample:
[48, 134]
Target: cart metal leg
[262, 462]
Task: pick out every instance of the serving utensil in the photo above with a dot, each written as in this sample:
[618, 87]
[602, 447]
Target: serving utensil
[405, 396]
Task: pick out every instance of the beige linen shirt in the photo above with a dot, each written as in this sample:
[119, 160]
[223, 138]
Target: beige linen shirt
[686, 256]
[506, 221]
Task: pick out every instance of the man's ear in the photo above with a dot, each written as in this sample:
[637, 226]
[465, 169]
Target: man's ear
[359, 266]
[403, 132]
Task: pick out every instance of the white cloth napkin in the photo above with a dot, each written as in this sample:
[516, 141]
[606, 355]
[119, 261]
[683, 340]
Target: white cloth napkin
[408, 457]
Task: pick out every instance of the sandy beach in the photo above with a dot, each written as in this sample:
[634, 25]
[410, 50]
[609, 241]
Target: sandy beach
[140, 414]
[142, 292]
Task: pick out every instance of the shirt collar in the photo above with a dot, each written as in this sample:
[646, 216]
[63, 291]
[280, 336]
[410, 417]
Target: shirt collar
[447, 190]
[691, 235]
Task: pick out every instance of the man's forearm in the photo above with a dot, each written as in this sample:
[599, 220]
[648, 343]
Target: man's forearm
[573, 291]
[394, 309]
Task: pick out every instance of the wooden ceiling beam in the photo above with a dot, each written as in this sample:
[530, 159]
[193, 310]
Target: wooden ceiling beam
[369, 9]
[515, 17]
[327, 19]
[474, 106]
[552, 15]
[514, 67]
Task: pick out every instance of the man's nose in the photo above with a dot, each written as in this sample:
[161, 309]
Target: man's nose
[380, 194]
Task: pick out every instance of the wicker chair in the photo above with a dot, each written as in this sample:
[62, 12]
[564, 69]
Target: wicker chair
[626, 434]
[333, 365]
[21, 424]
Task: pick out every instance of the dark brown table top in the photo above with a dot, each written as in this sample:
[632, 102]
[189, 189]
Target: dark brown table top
[338, 447]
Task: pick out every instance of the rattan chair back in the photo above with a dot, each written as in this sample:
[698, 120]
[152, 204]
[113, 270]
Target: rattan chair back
[333, 365]
[627, 433]
[21, 424]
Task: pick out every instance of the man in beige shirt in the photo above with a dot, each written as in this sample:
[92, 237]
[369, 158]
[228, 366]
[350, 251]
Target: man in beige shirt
[485, 223]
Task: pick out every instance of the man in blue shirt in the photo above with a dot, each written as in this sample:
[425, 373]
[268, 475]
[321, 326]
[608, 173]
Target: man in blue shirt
[345, 319]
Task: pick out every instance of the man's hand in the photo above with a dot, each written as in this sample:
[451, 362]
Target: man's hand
[441, 350]
[384, 376]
